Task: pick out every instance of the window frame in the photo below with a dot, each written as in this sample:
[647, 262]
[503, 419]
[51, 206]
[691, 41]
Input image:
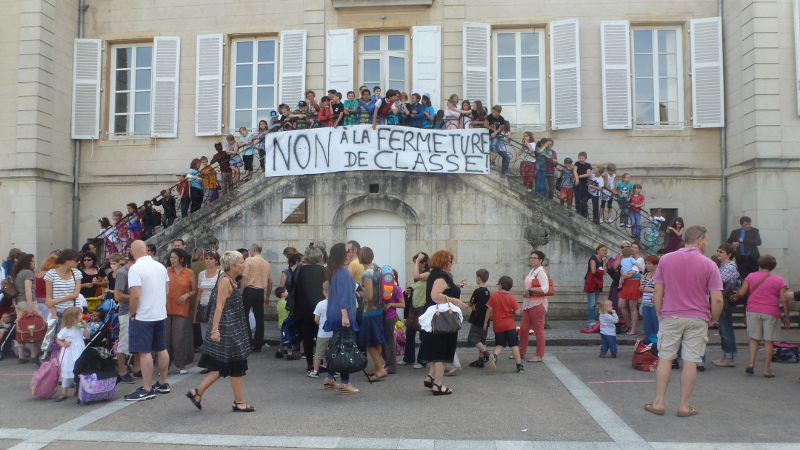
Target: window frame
[254, 86]
[131, 113]
[543, 78]
[385, 56]
[680, 124]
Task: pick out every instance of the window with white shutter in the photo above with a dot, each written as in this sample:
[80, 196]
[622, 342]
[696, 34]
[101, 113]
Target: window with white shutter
[383, 61]
[292, 66]
[476, 51]
[340, 56]
[616, 74]
[708, 95]
[427, 62]
[657, 78]
[519, 77]
[166, 74]
[565, 74]
[86, 89]
[208, 91]
[796, 16]
[131, 91]
[253, 77]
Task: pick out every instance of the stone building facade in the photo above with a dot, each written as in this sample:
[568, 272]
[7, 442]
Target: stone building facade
[158, 83]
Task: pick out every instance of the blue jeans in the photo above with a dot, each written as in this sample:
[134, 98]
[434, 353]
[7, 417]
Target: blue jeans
[506, 161]
[494, 144]
[591, 301]
[540, 181]
[624, 211]
[345, 377]
[649, 320]
[636, 223]
[726, 334]
[608, 342]
[411, 347]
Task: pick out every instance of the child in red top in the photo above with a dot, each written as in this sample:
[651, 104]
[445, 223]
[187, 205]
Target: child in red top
[325, 113]
[502, 306]
[636, 203]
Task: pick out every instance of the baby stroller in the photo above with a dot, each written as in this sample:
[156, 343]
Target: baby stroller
[95, 375]
[8, 345]
[108, 332]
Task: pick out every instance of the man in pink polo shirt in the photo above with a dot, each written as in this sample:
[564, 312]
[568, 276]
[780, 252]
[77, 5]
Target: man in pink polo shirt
[684, 280]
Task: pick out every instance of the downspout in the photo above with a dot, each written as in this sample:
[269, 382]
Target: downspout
[76, 200]
[723, 147]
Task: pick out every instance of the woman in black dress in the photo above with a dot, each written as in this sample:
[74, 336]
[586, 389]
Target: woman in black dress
[307, 282]
[439, 349]
[92, 275]
[227, 340]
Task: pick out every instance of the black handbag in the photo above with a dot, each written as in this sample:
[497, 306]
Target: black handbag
[447, 322]
[343, 354]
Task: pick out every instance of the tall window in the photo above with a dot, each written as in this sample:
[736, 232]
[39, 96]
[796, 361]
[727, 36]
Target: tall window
[254, 80]
[658, 84]
[383, 61]
[519, 85]
[132, 81]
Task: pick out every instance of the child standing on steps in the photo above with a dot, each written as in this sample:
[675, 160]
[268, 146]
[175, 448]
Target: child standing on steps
[636, 204]
[477, 333]
[608, 329]
[70, 339]
[503, 306]
[606, 205]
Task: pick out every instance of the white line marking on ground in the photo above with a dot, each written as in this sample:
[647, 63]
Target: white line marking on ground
[611, 423]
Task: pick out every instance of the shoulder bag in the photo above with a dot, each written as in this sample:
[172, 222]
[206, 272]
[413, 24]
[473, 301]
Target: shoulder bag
[343, 354]
[9, 290]
[203, 311]
[551, 290]
[447, 322]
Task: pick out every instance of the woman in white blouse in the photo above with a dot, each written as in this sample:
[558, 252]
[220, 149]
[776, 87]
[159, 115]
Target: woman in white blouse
[205, 284]
[534, 307]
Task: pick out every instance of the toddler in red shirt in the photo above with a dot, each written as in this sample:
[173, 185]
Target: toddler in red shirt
[502, 307]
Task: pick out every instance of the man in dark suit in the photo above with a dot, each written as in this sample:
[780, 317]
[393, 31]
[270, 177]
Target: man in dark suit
[746, 241]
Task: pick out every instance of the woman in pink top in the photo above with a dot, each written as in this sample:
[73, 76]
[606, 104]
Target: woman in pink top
[534, 307]
[763, 310]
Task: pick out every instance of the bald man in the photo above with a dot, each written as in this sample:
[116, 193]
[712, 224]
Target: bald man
[148, 283]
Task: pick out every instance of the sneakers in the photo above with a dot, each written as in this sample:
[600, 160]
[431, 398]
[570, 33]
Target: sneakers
[183, 371]
[418, 366]
[127, 378]
[140, 394]
[403, 363]
[137, 374]
[478, 363]
[161, 388]
[493, 363]
[313, 374]
[520, 368]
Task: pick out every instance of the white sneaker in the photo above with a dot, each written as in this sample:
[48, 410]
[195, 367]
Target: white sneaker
[184, 371]
[418, 366]
[403, 363]
[600, 221]
[610, 221]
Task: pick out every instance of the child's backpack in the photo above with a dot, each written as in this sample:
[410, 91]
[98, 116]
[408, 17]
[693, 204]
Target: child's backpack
[785, 352]
[288, 332]
[45, 381]
[643, 358]
[387, 286]
[91, 389]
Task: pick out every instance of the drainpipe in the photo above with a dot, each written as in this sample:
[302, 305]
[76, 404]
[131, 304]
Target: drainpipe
[723, 150]
[76, 200]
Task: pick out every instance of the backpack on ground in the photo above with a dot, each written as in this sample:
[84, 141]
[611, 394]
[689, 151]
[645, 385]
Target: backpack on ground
[785, 352]
[643, 358]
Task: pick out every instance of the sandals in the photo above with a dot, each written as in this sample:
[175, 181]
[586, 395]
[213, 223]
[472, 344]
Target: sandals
[692, 411]
[61, 398]
[446, 391]
[428, 384]
[192, 397]
[247, 408]
[378, 377]
[769, 374]
[345, 391]
[749, 370]
[331, 385]
[649, 407]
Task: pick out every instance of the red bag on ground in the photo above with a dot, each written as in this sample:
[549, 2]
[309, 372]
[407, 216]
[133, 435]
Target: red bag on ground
[30, 328]
[643, 358]
[594, 329]
[45, 380]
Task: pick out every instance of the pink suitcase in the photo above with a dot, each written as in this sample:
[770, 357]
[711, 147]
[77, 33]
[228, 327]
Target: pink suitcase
[91, 389]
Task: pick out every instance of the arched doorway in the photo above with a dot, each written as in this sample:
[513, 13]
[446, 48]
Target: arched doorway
[384, 233]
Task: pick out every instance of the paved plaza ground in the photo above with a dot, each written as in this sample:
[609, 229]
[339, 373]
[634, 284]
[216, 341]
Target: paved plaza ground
[572, 400]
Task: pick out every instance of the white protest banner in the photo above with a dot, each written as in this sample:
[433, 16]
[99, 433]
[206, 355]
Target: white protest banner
[389, 147]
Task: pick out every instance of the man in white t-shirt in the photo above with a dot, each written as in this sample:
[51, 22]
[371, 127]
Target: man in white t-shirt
[148, 283]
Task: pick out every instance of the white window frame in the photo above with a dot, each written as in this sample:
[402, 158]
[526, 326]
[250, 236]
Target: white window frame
[132, 101]
[253, 65]
[681, 121]
[384, 58]
[542, 125]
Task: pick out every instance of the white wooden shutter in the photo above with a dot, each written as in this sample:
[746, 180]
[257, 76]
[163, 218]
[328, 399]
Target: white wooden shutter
[565, 75]
[796, 5]
[475, 44]
[208, 88]
[340, 53]
[708, 102]
[615, 50]
[166, 73]
[293, 66]
[426, 44]
[86, 89]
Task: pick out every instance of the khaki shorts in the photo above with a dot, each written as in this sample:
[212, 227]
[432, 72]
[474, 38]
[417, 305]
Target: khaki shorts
[122, 343]
[690, 332]
[322, 345]
[763, 326]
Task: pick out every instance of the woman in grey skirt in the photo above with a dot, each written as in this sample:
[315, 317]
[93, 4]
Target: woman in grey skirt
[227, 341]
